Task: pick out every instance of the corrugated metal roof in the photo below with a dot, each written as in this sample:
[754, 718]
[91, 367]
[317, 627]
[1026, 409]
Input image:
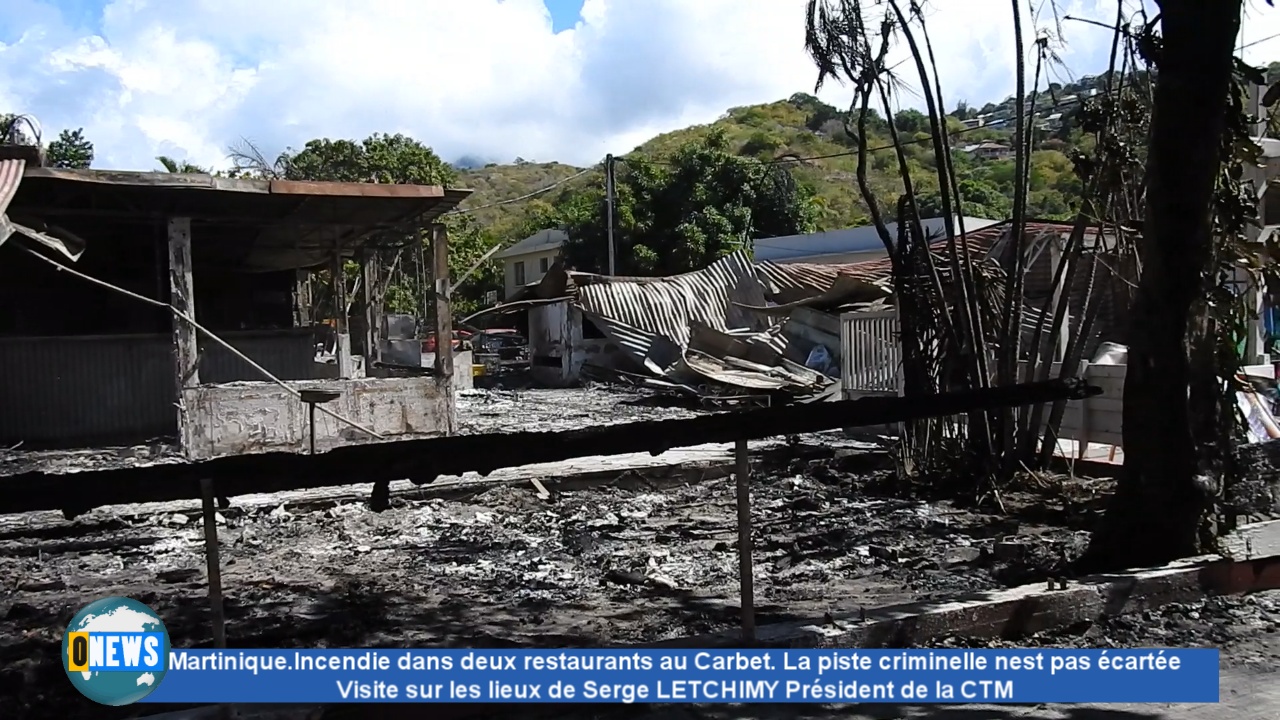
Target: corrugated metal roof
[541, 241]
[880, 272]
[848, 240]
[794, 284]
[10, 179]
[653, 320]
[668, 306]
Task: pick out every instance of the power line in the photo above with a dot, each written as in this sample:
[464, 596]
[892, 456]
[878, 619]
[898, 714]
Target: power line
[526, 196]
[1259, 42]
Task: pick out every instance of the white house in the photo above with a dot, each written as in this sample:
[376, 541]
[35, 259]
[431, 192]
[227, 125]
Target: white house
[850, 245]
[528, 260]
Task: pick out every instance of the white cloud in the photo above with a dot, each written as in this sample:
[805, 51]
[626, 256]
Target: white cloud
[470, 77]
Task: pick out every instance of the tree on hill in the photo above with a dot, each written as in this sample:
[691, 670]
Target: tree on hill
[682, 213]
[70, 150]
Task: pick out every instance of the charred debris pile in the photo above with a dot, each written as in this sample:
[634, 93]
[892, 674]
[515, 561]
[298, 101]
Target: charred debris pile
[735, 331]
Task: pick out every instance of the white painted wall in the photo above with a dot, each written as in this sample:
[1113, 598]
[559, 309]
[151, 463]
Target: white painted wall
[533, 271]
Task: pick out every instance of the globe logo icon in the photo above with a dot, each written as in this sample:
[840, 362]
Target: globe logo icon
[115, 651]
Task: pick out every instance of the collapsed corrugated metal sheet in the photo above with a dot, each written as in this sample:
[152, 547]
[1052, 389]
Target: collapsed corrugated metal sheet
[726, 323]
[796, 284]
[10, 178]
[654, 320]
[668, 306]
[11, 172]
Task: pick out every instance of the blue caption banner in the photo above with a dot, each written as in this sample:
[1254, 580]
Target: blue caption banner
[703, 676]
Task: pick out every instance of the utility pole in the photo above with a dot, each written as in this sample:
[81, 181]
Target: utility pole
[608, 199]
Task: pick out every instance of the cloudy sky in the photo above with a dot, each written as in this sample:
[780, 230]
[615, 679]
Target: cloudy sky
[566, 80]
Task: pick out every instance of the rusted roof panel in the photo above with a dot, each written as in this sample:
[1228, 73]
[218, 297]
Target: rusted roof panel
[350, 189]
[201, 181]
[194, 181]
[249, 225]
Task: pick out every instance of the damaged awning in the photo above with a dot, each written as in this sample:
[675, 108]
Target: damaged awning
[11, 172]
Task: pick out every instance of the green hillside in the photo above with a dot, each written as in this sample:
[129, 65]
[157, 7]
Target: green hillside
[496, 183]
[804, 127]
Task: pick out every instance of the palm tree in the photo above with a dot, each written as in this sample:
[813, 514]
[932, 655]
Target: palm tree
[251, 162]
[179, 166]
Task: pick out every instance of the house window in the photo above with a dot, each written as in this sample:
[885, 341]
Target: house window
[543, 263]
[519, 273]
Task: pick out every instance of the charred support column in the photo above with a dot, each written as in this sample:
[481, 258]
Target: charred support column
[444, 311]
[185, 350]
[746, 579]
[370, 297]
[214, 564]
[302, 298]
[342, 344]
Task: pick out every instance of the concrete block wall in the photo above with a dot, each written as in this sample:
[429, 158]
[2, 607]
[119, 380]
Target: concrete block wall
[251, 417]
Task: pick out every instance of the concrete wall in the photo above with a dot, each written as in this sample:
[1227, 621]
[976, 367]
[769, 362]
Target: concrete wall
[463, 379]
[532, 268]
[551, 337]
[1100, 419]
[240, 418]
[93, 390]
[557, 349]
[603, 353]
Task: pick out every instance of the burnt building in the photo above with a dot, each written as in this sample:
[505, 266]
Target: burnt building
[103, 266]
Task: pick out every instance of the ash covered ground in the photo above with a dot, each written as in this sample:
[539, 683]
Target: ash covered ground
[641, 556]
[1245, 628]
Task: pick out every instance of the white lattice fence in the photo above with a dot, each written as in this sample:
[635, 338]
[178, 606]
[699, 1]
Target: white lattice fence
[871, 353]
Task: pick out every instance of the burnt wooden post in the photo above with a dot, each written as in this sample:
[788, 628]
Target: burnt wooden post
[213, 563]
[444, 313]
[186, 353]
[342, 334]
[746, 580]
[302, 299]
[372, 310]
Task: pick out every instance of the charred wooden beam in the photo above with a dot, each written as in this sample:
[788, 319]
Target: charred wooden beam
[185, 348]
[444, 309]
[424, 460]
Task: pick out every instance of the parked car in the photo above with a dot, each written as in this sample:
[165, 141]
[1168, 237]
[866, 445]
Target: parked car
[460, 337]
[507, 345]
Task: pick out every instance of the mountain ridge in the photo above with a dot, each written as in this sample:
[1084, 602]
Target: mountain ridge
[803, 126]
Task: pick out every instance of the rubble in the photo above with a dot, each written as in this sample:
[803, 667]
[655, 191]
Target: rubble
[479, 412]
[605, 565]
[1243, 626]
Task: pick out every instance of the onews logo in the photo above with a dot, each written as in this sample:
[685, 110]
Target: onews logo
[115, 651]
